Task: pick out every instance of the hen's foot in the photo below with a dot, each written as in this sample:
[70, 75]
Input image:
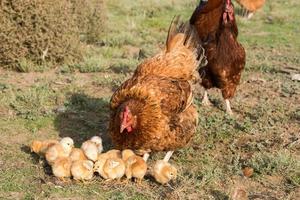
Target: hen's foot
[168, 156]
[228, 108]
[146, 156]
[142, 152]
[250, 14]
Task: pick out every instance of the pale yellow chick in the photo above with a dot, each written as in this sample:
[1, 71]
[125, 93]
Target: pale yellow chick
[82, 170]
[90, 149]
[126, 153]
[77, 154]
[114, 153]
[114, 168]
[98, 167]
[136, 167]
[163, 171]
[40, 147]
[61, 150]
[98, 141]
[61, 168]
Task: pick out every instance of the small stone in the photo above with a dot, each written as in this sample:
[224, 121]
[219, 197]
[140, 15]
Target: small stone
[240, 194]
[248, 172]
[296, 77]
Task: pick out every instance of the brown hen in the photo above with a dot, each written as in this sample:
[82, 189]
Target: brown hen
[153, 110]
[217, 29]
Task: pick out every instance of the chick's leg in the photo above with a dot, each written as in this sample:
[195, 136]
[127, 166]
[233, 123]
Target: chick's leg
[62, 179]
[138, 181]
[228, 108]
[126, 181]
[168, 156]
[205, 100]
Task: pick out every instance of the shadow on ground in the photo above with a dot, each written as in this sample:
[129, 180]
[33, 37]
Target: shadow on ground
[83, 117]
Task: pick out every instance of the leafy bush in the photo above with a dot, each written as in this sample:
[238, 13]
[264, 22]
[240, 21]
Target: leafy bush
[41, 32]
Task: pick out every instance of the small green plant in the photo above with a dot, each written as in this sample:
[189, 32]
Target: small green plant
[33, 102]
[281, 162]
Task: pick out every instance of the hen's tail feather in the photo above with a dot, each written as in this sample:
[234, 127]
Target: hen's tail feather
[172, 32]
[179, 29]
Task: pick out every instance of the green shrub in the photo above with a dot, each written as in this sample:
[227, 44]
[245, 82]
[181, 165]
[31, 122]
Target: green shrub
[45, 32]
[91, 18]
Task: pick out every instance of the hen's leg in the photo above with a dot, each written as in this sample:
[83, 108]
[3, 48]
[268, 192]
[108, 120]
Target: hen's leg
[205, 100]
[249, 15]
[146, 156]
[228, 108]
[168, 156]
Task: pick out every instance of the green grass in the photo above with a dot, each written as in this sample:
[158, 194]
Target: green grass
[73, 101]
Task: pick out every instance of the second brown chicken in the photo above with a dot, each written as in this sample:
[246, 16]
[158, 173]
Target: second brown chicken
[218, 31]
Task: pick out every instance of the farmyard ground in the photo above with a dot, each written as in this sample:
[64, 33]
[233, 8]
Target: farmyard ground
[73, 101]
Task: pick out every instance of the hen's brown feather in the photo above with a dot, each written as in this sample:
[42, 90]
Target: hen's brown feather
[160, 95]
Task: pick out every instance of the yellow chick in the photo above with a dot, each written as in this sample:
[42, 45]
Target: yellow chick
[90, 149]
[136, 167]
[61, 150]
[163, 171]
[114, 168]
[114, 153]
[61, 168]
[98, 141]
[126, 153]
[82, 170]
[98, 166]
[40, 147]
[77, 154]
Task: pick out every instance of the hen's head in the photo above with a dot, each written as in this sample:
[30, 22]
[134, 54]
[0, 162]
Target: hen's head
[128, 120]
[228, 15]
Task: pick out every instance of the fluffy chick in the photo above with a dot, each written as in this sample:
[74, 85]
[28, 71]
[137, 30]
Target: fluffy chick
[136, 167]
[98, 141]
[90, 149]
[163, 171]
[61, 150]
[98, 167]
[77, 154]
[126, 153]
[114, 153]
[82, 170]
[40, 147]
[61, 168]
[114, 168]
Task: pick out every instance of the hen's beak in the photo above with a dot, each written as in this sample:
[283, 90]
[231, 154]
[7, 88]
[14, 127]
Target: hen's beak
[122, 128]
